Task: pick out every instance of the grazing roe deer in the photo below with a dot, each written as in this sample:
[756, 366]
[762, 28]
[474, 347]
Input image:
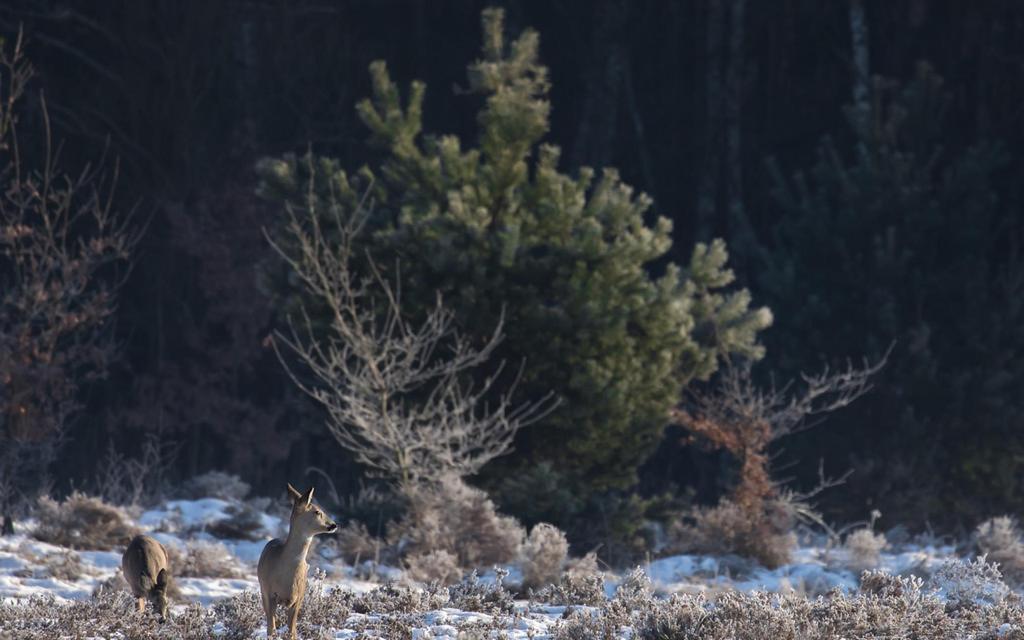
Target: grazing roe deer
[282, 567]
[145, 569]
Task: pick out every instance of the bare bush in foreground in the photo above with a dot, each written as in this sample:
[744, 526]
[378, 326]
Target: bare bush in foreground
[395, 389]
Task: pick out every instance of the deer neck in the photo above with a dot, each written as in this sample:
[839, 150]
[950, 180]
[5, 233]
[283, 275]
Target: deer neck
[296, 546]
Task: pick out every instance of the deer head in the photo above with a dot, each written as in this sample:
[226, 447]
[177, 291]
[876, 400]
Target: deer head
[307, 518]
[157, 592]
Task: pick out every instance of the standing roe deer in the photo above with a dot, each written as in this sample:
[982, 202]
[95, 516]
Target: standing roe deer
[144, 565]
[282, 566]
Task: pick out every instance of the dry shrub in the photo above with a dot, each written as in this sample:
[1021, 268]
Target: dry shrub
[435, 566]
[634, 590]
[455, 517]
[83, 522]
[66, 565]
[110, 614]
[62, 565]
[355, 543]
[392, 598]
[585, 566]
[215, 484]
[204, 559]
[884, 606]
[474, 594]
[581, 584]
[240, 615]
[863, 548]
[243, 523]
[323, 608]
[765, 536]
[543, 556]
[970, 583]
[1000, 540]
[114, 583]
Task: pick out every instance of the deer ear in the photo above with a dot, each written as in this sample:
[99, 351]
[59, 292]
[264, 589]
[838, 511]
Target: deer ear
[161, 579]
[293, 493]
[308, 498]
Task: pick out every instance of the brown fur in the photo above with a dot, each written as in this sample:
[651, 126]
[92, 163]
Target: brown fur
[145, 568]
[282, 567]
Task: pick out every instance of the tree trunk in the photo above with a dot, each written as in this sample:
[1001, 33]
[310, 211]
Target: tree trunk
[707, 190]
[595, 135]
[861, 61]
[741, 231]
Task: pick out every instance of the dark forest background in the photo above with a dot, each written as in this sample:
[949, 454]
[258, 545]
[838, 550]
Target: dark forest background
[711, 107]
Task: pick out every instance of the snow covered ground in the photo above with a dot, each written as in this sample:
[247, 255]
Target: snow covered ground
[29, 567]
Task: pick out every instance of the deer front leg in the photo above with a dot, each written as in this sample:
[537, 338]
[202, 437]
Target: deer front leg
[269, 608]
[293, 618]
[141, 604]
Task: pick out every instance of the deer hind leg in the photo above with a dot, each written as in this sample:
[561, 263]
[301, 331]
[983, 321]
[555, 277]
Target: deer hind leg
[293, 618]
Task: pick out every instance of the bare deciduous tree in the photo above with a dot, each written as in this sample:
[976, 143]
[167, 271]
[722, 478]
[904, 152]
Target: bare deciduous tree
[397, 392]
[60, 245]
[744, 418]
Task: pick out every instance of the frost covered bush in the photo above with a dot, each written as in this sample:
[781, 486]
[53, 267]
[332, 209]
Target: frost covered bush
[455, 517]
[766, 536]
[65, 565]
[581, 584]
[244, 522]
[543, 556]
[970, 582]
[239, 616]
[474, 594]
[884, 607]
[355, 544]
[83, 522]
[1000, 540]
[109, 615]
[863, 548]
[204, 559]
[62, 565]
[215, 484]
[888, 607]
[323, 608]
[434, 566]
[392, 598]
[116, 582]
[634, 590]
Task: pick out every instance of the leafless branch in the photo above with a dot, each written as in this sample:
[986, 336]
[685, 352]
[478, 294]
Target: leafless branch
[744, 418]
[397, 391]
[61, 248]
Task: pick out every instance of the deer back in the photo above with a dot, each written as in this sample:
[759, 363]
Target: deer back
[141, 564]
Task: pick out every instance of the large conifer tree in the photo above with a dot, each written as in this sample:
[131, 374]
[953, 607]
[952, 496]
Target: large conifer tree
[497, 228]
